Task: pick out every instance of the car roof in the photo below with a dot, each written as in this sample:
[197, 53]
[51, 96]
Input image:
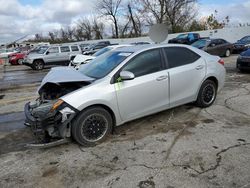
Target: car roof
[210, 39]
[136, 48]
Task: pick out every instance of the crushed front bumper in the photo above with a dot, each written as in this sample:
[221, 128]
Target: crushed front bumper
[53, 127]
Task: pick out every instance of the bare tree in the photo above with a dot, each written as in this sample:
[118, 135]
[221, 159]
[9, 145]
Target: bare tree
[70, 33]
[155, 9]
[111, 9]
[176, 13]
[137, 19]
[85, 28]
[98, 29]
[179, 13]
[132, 20]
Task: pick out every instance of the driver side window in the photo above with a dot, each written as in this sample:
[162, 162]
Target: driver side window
[145, 63]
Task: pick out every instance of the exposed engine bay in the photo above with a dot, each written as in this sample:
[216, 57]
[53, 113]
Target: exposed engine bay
[52, 91]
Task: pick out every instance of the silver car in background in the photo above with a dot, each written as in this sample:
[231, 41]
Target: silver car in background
[53, 55]
[120, 86]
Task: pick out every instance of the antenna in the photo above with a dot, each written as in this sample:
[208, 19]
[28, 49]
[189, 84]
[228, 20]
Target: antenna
[158, 32]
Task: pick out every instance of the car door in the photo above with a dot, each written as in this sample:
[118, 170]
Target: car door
[223, 46]
[52, 55]
[186, 72]
[148, 92]
[214, 47]
[65, 54]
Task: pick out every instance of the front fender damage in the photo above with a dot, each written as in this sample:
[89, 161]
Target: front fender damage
[51, 126]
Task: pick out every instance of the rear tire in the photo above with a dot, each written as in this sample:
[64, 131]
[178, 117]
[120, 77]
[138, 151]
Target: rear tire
[207, 94]
[92, 126]
[38, 65]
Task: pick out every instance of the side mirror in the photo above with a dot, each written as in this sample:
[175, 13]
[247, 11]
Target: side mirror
[212, 45]
[47, 52]
[126, 75]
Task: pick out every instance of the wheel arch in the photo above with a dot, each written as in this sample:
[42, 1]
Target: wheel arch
[110, 111]
[212, 78]
[39, 59]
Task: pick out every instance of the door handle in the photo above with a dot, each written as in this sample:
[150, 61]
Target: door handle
[199, 67]
[162, 78]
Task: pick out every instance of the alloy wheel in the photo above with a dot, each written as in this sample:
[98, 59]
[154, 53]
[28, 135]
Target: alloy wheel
[208, 94]
[94, 127]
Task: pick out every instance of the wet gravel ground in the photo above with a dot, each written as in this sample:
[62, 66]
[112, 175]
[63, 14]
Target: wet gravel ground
[182, 147]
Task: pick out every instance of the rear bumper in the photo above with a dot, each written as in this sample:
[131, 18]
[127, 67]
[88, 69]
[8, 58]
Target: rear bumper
[243, 64]
[238, 49]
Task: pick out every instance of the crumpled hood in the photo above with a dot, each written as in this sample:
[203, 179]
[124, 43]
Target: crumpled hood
[63, 75]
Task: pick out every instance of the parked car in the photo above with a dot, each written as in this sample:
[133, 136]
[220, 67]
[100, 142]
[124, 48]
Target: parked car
[54, 55]
[83, 59]
[91, 46]
[243, 61]
[5, 53]
[187, 38]
[83, 46]
[95, 48]
[37, 49]
[217, 46]
[17, 58]
[120, 86]
[242, 44]
[140, 43]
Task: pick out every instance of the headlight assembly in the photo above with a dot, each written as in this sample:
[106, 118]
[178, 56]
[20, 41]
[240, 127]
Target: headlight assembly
[56, 105]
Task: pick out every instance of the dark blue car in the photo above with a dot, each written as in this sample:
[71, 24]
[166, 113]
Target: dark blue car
[242, 44]
[243, 61]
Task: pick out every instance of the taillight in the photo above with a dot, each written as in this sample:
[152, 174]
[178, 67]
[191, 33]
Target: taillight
[221, 61]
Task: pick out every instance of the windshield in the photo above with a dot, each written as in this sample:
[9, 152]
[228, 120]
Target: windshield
[182, 36]
[90, 46]
[42, 50]
[102, 51]
[200, 44]
[245, 39]
[104, 64]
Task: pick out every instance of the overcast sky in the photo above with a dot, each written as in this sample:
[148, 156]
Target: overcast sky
[27, 17]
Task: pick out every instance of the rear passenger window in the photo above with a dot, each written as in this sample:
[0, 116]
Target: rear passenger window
[179, 56]
[145, 63]
[65, 49]
[74, 48]
[53, 50]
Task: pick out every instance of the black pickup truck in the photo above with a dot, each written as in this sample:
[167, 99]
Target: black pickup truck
[187, 38]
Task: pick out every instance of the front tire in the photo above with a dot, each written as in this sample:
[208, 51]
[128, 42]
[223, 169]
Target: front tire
[38, 65]
[92, 126]
[207, 94]
[227, 53]
[20, 61]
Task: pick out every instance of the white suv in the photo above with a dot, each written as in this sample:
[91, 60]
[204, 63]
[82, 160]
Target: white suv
[54, 55]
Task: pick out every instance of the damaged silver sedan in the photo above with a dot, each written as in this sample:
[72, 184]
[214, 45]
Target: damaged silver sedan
[120, 86]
